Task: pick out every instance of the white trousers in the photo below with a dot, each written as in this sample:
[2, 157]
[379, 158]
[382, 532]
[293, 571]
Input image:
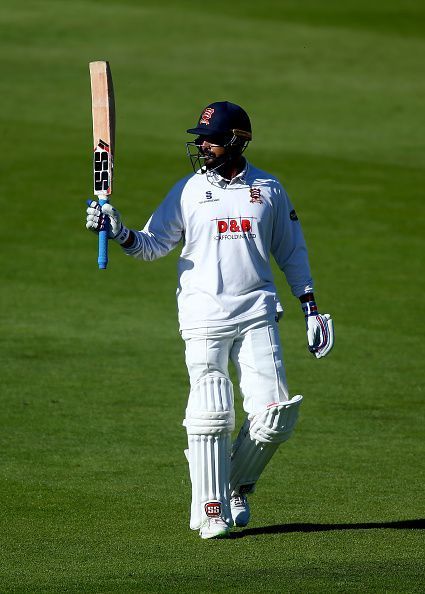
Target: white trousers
[254, 348]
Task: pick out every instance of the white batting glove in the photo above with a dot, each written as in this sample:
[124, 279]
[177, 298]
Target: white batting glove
[320, 330]
[96, 217]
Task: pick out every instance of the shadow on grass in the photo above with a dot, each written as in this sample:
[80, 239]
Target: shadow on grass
[287, 528]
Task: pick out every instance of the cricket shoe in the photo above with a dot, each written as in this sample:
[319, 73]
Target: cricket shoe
[239, 508]
[214, 528]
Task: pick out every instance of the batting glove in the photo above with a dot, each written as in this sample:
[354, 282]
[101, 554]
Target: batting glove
[97, 217]
[320, 330]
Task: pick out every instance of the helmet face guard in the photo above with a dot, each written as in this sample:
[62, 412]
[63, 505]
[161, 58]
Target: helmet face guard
[234, 143]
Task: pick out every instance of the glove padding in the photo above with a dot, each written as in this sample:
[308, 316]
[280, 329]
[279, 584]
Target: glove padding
[320, 334]
[97, 217]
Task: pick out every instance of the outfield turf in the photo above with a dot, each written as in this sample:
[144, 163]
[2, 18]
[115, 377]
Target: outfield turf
[94, 484]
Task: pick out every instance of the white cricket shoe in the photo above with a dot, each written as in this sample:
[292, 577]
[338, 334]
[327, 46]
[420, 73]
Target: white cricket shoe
[239, 508]
[214, 528]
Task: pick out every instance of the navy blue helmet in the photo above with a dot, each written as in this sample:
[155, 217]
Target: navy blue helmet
[223, 118]
[223, 124]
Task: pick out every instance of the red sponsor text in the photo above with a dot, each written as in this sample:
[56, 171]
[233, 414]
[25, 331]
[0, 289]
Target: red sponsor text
[234, 225]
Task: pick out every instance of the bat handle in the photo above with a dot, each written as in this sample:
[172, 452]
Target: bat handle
[102, 259]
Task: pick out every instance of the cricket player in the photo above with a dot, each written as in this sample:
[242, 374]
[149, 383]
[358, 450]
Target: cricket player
[228, 217]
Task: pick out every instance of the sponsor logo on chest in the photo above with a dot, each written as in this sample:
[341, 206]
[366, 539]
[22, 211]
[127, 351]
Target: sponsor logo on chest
[230, 228]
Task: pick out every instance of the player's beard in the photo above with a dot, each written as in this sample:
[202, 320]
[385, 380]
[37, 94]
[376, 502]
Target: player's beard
[214, 163]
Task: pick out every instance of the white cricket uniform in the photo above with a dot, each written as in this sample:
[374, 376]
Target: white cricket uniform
[228, 305]
[227, 231]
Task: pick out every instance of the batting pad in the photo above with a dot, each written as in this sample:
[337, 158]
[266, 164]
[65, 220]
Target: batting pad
[276, 423]
[210, 420]
[258, 440]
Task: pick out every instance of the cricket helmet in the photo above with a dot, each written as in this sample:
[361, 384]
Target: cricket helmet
[225, 124]
[223, 118]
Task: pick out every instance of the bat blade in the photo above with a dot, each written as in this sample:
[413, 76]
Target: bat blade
[103, 116]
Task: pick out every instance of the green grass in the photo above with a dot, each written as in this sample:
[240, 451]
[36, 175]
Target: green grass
[94, 484]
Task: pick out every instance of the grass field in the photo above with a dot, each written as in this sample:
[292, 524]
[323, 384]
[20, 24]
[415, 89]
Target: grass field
[94, 484]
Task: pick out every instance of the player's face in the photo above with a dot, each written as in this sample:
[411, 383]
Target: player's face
[212, 148]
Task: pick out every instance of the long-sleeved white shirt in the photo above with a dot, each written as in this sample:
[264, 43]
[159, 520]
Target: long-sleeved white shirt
[228, 231]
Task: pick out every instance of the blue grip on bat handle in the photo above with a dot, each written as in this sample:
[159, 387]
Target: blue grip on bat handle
[102, 259]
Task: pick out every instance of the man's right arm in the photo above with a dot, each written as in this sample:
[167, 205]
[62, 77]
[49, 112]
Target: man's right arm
[160, 235]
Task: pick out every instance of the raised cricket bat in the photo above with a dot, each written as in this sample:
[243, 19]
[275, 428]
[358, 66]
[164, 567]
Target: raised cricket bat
[103, 112]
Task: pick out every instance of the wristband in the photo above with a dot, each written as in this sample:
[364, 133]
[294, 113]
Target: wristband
[122, 235]
[309, 308]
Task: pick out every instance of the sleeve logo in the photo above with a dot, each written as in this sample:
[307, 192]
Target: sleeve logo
[293, 215]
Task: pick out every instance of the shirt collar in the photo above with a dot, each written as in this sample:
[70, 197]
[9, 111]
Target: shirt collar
[239, 180]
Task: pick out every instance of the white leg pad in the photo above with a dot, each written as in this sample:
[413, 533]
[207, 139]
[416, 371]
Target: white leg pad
[209, 422]
[276, 423]
[258, 440]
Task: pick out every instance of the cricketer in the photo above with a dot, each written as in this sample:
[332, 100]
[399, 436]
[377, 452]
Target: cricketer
[229, 217]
